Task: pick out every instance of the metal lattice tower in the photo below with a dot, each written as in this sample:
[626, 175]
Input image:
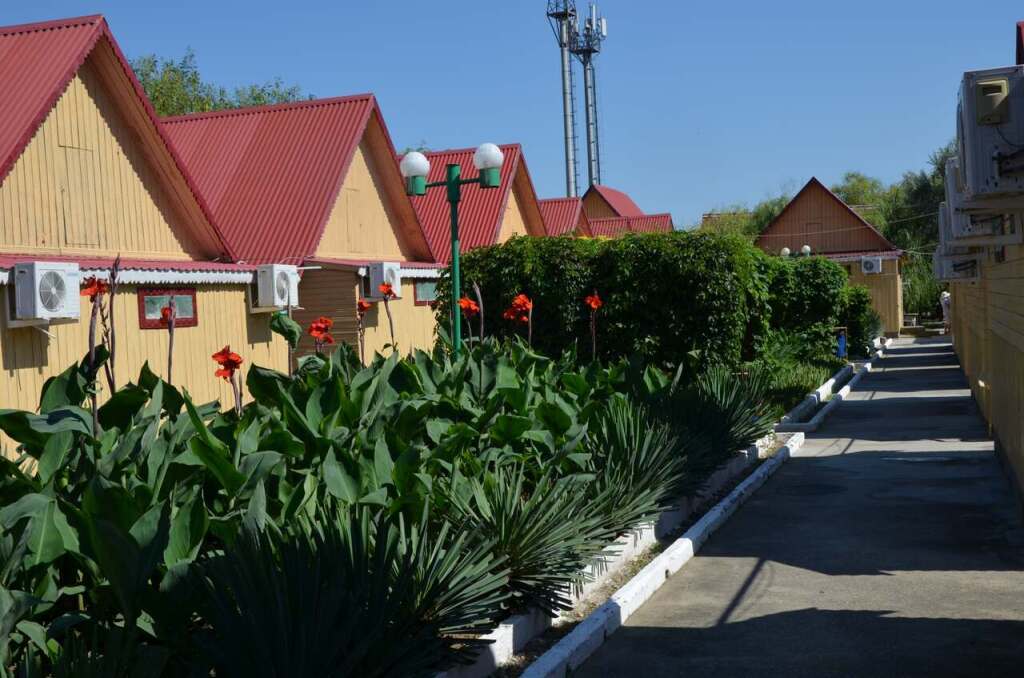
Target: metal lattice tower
[585, 46]
[562, 15]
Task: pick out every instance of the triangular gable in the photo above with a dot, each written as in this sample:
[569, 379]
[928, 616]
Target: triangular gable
[819, 218]
[37, 63]
[481, 211]
[614, 203]
[273, 174]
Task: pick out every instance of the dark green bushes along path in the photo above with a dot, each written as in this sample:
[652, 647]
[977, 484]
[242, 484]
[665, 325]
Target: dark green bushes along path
[670, 296]
[350, 522]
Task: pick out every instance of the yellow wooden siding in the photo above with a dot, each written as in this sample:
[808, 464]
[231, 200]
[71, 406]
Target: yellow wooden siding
[512, 221]
[84, 186]
[988, 334]
[596, 207]
[334, 292]
[886, 292]
[28, 357]
[362, 225]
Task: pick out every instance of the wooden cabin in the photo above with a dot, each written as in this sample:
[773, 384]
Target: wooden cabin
[818, 218]
[604, 202]
[565, 216]
[486, 216]
[86, 174]
[316, 184]
[612, 213]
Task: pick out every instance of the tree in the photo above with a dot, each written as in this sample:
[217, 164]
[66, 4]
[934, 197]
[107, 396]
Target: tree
[177, 88]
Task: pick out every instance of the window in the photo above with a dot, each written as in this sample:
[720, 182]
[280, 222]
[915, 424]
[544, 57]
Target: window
[153, 299]
[425, 292]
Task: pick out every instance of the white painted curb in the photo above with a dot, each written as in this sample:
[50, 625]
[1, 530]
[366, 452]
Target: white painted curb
[812, 400]
[572, 650]
[514, 633]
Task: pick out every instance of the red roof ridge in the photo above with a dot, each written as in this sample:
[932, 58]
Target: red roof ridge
[267, 108]
[469, 149]
[71, 22]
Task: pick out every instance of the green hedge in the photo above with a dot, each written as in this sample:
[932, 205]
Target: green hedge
[664, 294]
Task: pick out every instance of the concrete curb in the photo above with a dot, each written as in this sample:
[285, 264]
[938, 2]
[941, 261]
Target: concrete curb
[572, 650]
[515, 632]
[819, 418]
[812, 400]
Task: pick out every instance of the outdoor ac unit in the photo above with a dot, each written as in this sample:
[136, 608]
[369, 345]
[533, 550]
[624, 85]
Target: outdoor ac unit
[384, 272]
[870, 265]
[277, 286]
[962, 268]
[990, 133]
[947, 245]
[976, 227]
[46, 290]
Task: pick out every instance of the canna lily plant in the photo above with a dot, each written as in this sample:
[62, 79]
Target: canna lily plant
[469, 308]
[593, 302]
[362, 308]
[387, 292]
[320, 330]
[229, 362]
[521, 311]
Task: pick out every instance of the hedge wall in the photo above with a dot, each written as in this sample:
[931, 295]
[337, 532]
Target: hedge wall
[664, 294]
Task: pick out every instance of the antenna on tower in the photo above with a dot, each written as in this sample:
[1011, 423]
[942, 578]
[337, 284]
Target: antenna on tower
[587, 45]
[562, 15]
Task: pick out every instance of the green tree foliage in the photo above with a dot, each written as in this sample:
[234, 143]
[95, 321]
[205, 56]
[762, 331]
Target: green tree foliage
[175, 87]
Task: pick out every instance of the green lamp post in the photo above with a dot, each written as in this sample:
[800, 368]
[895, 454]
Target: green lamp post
[415, 167]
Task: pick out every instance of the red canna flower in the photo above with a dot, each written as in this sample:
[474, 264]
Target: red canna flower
[228, 361]
[468, 306]
[386, 291]
[522, 303]
[593, 301]
[362, 307]
[320, 327]
[93, 286]
[165, 315]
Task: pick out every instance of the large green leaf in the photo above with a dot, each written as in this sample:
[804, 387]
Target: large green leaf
[281, 323]
[188, 528]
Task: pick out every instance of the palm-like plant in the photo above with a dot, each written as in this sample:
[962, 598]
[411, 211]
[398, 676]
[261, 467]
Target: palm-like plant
[351, 593]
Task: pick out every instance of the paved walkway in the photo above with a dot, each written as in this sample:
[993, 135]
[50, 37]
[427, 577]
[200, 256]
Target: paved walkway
[893, 549]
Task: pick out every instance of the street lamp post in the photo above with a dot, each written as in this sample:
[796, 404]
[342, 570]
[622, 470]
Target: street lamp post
[415, 167]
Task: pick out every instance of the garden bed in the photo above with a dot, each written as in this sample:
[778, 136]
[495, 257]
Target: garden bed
[513, 635]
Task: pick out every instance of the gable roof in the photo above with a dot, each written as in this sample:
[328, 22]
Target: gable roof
[38, 61]
[272, 174]
[878, 240]
[481, 210]
[562, 215]
[619, 202]
[647, 223]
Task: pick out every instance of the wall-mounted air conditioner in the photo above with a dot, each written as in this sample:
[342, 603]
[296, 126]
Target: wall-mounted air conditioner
[381, 272]
[870, 265]
[45, 291]
[277, 287]
[947, 245]
[961, 268]
[971, 226]
[990, 133]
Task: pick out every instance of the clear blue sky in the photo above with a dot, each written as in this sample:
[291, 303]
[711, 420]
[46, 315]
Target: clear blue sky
[703, 104]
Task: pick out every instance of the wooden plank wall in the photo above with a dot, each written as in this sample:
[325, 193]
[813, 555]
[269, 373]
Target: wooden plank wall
[84, 186]
[988, 334]
[886, 292]
[29, 357]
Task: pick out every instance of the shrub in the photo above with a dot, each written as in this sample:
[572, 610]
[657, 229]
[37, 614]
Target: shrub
[862, 321]
[665, 294]
[805, 291]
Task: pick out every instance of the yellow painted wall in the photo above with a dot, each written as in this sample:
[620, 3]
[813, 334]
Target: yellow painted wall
[988, 334]
[84, 186]
[361, 223]
[28, 357]
[512, 221]
[597, 207]
[334, 292]
[886, 292]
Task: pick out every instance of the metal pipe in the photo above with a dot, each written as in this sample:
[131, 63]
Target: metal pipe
[567, 107]
[590, 110]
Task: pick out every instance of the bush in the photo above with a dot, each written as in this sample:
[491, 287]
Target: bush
[805, 291]
[664, 294]
[861, 320]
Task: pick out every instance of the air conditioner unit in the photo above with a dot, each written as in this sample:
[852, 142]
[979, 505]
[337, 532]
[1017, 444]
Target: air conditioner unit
[962, 268]
[384, 272]
[990, 133]
[277, 286]
[947, 245]
[973, 226]
[46, 291]
[870, 265]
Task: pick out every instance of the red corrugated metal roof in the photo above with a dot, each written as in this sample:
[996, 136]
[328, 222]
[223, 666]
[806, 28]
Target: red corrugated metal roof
[37, 61]
[272, 173]
[480, 210]
[647, 223]
[366, 262]
[620, 203]
[8, 260]
[561, 215]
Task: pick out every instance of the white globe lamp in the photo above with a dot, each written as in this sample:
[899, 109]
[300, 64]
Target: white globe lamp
[415, 167]
[488, 160]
